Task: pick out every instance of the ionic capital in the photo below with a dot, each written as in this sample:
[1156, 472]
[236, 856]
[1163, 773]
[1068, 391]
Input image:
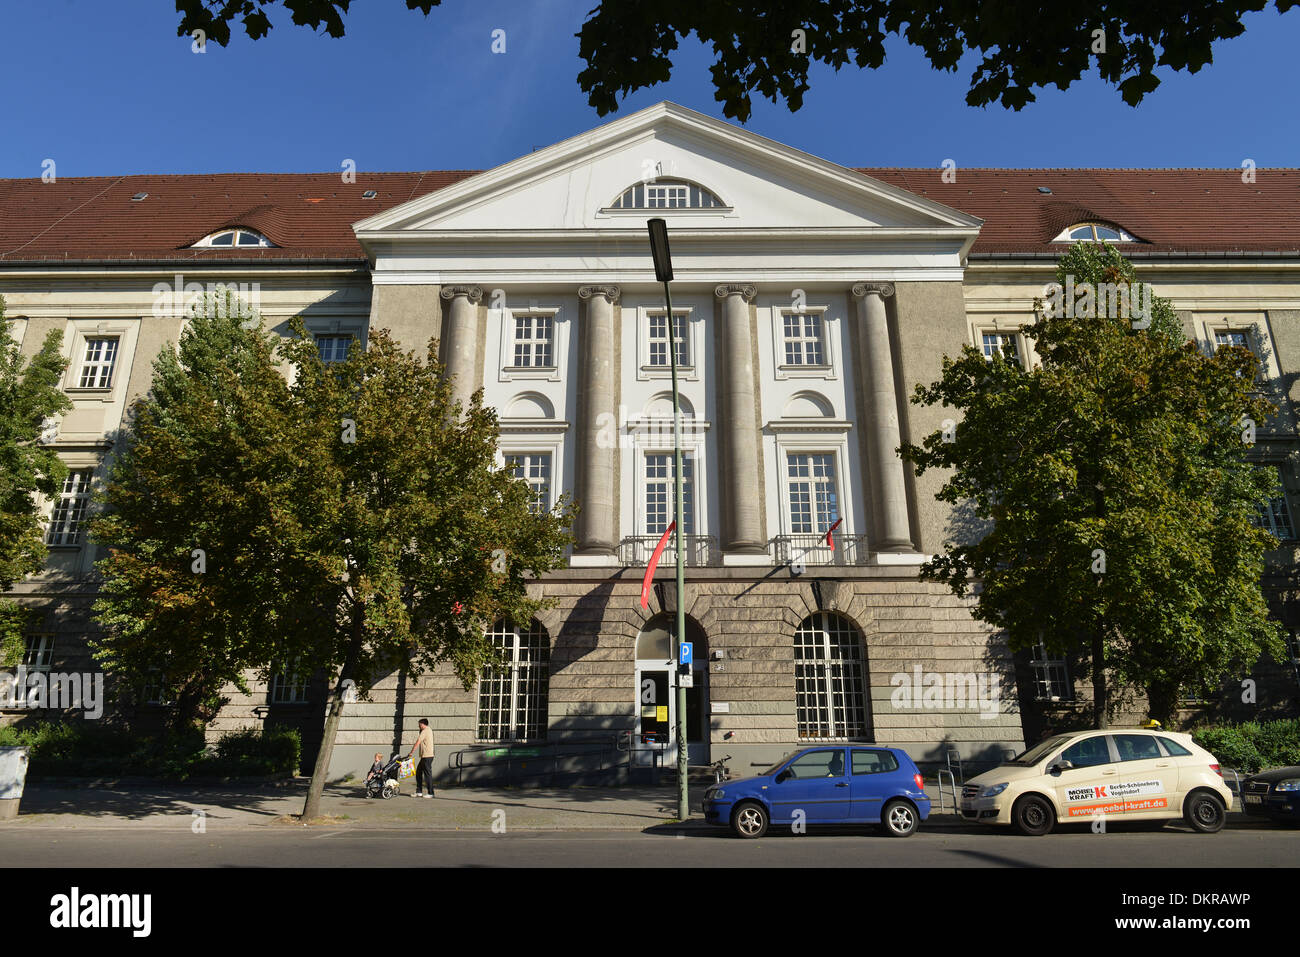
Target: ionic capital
[882, 289]
[473, 293]
[611, 293]
[746, 290]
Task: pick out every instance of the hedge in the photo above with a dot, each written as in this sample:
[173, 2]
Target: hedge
[1253, 745]
[80, 749]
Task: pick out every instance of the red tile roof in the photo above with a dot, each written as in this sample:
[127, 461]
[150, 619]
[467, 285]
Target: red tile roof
[1171, 210]
[309, 216]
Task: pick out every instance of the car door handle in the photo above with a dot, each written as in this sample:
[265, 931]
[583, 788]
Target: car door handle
[1162, 764]
[1110, 771]
[842, 784]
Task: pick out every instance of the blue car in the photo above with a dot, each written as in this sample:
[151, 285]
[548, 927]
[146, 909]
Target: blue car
[836, 784]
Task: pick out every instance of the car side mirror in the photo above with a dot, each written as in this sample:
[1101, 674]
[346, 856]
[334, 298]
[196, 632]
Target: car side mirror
[1062, 765]
[784, 776]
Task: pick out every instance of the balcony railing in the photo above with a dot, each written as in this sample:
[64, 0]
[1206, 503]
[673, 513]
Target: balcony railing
[701, 550]
[811, 549]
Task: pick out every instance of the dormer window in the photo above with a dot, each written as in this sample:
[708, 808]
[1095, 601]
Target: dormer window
[230, 238]
[1094, 233]
[667, 194]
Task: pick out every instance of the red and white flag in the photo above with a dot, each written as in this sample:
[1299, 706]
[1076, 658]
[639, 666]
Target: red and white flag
[654, 563]
[829, 539]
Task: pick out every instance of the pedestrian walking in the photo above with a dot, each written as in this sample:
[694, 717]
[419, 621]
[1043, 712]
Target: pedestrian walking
[424, 770]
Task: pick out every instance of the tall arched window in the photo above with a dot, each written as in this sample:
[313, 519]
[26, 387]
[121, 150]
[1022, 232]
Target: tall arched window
[512, 701]
[829, 668]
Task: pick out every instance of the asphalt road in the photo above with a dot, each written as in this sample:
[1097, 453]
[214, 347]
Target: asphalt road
[143, 846]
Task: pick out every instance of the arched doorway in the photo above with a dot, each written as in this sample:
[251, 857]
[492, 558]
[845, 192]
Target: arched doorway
[656, 691]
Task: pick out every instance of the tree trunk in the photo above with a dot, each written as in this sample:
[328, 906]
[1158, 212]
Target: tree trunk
[334, 716]
[1162, 703]
[1100, 702]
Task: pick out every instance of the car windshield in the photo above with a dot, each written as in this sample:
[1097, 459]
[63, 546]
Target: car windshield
[1039, 751]
[776, 767]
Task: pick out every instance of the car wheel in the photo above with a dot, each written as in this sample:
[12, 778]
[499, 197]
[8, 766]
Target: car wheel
[900, 819]
[1033, 816]
[750, 820]
[1205, 812]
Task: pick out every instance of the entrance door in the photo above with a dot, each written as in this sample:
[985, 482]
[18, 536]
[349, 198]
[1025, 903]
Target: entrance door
[656, 693]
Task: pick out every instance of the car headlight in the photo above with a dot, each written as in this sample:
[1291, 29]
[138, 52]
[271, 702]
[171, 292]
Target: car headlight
[715, 794]
[1289, 784]
[992, 790]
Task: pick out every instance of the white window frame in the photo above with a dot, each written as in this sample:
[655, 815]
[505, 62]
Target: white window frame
[208, 242]
[1269, 516]
[38, 651]
[83, 330]
[97, 367]
[535, 437]
[818, 437]
[1041, 669]
[830, 323]
[79, 495]
[1001, 335]
[1253, 325]
[516, 679]
[836, 487]
[317, 336]
[836, 708]
[691, 515]
[1124, 235]
[507, 370]
[549, 485]
[693, 343]
[292, 678]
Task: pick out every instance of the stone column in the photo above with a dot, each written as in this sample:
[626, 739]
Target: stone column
[458, 350]
[597, 452]
[876, 368]
[742, 527]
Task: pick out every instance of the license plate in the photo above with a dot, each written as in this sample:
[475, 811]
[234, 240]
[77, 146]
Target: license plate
[1254, 799]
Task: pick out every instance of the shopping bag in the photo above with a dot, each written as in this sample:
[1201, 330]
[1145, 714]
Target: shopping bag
[406, 769]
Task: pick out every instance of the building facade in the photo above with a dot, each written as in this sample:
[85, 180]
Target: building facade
[809, 300]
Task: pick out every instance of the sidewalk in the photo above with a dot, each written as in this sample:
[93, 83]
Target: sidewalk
[57, 804]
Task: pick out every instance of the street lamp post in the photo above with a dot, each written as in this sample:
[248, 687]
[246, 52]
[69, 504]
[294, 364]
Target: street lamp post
[664, 273]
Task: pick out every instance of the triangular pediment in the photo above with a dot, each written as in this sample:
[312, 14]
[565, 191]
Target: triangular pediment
[760, 183]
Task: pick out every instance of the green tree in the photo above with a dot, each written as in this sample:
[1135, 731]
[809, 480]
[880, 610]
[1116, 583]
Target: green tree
[1121, 509]
[29, 396]
[353, 519]
[768, 48]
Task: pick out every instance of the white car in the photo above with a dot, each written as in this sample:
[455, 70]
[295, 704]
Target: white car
[1118, 775]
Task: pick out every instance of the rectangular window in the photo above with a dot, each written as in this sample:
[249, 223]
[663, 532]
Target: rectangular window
[666, 197]
[660, 506]
[814, 502]
[993, 343]
[1276, 517]
[70, 509]
[156, 690]
[534, 342]
[333, 348]
[1230, 337]
[512, 704]
[97, 366]
[659, 341]
[1051, 677]
[289, 686]
[803, 339]
[38, 652]
[535, 469]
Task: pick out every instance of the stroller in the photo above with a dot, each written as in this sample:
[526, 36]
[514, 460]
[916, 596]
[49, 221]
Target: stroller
[387, 782]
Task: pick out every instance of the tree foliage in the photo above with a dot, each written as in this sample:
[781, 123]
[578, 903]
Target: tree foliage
[30, 395]
[1121, 507]
[768, 48]
[352, 518]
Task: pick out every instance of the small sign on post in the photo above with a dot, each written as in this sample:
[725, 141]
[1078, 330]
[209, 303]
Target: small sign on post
[686, 653]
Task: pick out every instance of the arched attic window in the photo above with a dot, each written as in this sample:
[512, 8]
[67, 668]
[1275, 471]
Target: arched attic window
[667, 194]
[239, 237]
[1094, 233]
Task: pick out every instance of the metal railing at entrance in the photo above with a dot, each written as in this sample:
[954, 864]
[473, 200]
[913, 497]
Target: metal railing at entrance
[605, 758]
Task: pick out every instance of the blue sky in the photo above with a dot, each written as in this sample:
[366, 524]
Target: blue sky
[107, 88]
